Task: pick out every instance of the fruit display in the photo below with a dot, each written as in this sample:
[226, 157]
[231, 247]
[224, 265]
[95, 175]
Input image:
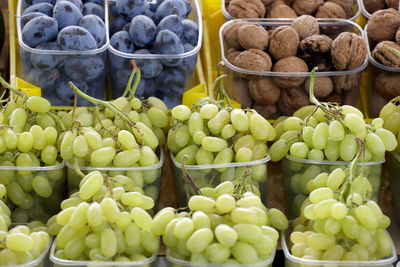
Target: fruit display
[62, 41]
[268, 62]
[347, 9]
[164, 40]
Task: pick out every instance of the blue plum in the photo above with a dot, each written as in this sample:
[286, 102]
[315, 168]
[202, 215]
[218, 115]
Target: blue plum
[45, 8]
[150, 88]
[149, 68]
[40, 30]
[190, 32]
[27, 17]
[90, 8]
[142, 31]
[131, 8]
[122, 42]
[95, 25]
[97, 87]
[43, 1]
[189, 63]
[153, 7]
[44, 78]
[77, 3]
[84, 68]
[151, 15]
[170, 7]
[116, 25]
[172, 23]
[188, 7]
[100, 2]
[65, 93]
[119, 62]
[171, 80]
[119, 81]
[46, 61]
[67, 14]
[76, 38]
[168, 42]
[171, 100]
[126, 27]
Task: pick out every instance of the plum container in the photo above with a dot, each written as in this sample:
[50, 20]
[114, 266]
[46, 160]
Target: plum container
[292, 85]
[354, 13]
[175, 73]
[86, 69]
[26, 202]
[394, 173]
[297, 172]
[213, 175]
[148, 178]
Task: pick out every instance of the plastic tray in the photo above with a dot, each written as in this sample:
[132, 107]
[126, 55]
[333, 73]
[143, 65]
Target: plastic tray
[237, 79]
[364, 12]
[297, 172]
[208, 176]
[177, 262]
[394, 173]
[55, 92]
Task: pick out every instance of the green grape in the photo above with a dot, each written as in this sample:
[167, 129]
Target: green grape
[110, 209]
[348, 147]
[388, 139]
[18, 119]
[145, 135]
[320, 135]
[335, 179]
[3, 146]
[66, 147]
[75, 247]
[244, 215]
[132, 199]
[293, 123]
[10, 138]
[42, 187]
[298, 237]
[223, 157]
[199, 240]
[169, 238]
[157, 117]
[213, 144]
[338, 211]
[181, 112]
[297, 249]
[375, 208]
[315, 154]
[132, 235]
[39, 141]
[249, 202]
[374, 144]
[149, 241]
[224, 188]
[291, 136]
[225, 203]
[350, 227]
[364, 237]
[108, 242]
[208, 111]
[355, 123]
[44, 120]
[392, 123]
[198, 258]
[19, 242]
[195, 123]
[80, 147]
[161, 220]
[249, 233]
[366, 217]
[228, 131]
[244, 253]
[332, 226]
[320, 241]
[25, 142]
[384, 243]
[244, 154]
[377, 123]
[102, 157]
[336, 131]
[259, 151]
[93, 139]
[15, 193]
[216, 123]
[142, 219]
[299, 150]
[184, 228]
[278, 150]
[79, 217]
[278, 219]
[217, 253]
[182, 135]
[270, 232]
[92, 241]
[239, 120]
[333, 253]
[50, 135]
[191, 152]
[204, 157]
[126, 158]
[127, 140]
[261, 129]
[201, 203]
[63, 217]
[136, 103]
[362, 253]
[200, 220]
[347, 109]
[387, 110]
[307, 134]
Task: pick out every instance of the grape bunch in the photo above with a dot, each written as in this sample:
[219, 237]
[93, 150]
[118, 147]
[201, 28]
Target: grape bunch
[338, 221]
[213, 134]
[221, 227]
[106, 220]
[390, 114]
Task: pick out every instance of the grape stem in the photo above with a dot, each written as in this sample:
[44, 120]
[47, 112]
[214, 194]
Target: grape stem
[189, 179]
[77, 170]
[221, 85]
[128, 85]
[241, 183]
[138, 75]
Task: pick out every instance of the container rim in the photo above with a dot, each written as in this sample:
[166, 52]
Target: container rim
[328, 162]
[382, 262]
[194, 51]
[197, 264]
[366, 14]
[217, 166]
[40, 168]
[396, 156]
[280, 22]
[61, 52]
[372, 60]
[145, 168]
[228, 16]
[63, 262]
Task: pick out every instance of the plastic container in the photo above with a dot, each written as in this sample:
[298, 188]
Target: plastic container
[34, 206]
[209, 176]
[57, 262]
[53, 81]
[394, 173]
[379, 78]
[364, 12]
[355, 11]
[297, 172]
[176, 76]
[292, 261]
[178, 262]
[147, 178]
[345, 83]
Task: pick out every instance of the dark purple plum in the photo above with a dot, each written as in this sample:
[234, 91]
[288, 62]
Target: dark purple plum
[171, 80]
[65, 93]
[67, 14]
[189, 63]
[45, 8]
[76, 38]
[188, 7]
[95, 25]
[46, 61]
[122, 42]
[131, 8]
[190, 33]
[77, 3]
[44, 78]
[90, 8]
[142, 31]
[119, 81]
[150, 68]
[126, 27]
[116, 25]
[171, 100]
[151, 15]
[172, 23]
[168, 42]
[84, 68]
[119, 63]
[40, 30]
[27, 17]
[170, 7]
[150, 88]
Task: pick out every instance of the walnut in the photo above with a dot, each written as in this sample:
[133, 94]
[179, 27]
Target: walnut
[386, 57]
[267, 2]
[253, 59]
[306, 7]
[292, 99]
[230, 33]
[323, 86]
[322, 61]
[253, 35]
[387, 84]
[284, 42]
[281, 11]
[264, 91]
[277, 2]
[383, 24]
[331, 10]
[305, 26]
[316, 44]
[231, 54]
[347, 6]
[373, 5]
[348, 82]
[348, 51]
[239, 91]
[246, 8]
[289, 64]
[392, 4]
[267, 111]
[334, 98]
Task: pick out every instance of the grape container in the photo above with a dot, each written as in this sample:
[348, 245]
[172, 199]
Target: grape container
[394, 172]
[292, 86]
[297, 172]
[213, 175]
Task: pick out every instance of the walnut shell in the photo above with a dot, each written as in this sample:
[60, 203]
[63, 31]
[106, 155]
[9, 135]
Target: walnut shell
[267, 2]
[230, 33]
[267, 111]
[322, 61]
[316, 44]
[253, 59]
[331, 10]
[277, 2]
[347, 6]
[323, 86]
[284, 42]
[305, 26]
[392, 4]
[347, 82]
[373, 5]
[383, 24]
[231, 54]
[306, 7]
[281, 11]
[386, 57]
[264, 91]
[253, 36]
[387, 84]
[289, 64]
[348, 51]
[246, 8]
[239, 91]
[334, 98]
[292, 99]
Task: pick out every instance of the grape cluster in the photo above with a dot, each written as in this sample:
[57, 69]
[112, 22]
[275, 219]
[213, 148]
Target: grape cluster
[390, 114]
[106, 220]
[221, 229]
[213, 134]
